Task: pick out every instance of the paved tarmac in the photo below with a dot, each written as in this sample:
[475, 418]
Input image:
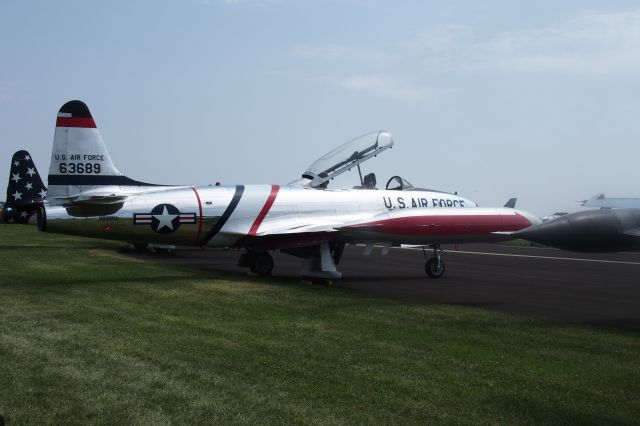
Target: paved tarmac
[601, 290]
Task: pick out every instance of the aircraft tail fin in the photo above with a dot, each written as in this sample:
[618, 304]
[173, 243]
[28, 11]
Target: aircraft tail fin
[593, 201]
[511, 204]
[25, 190]
[80, 163]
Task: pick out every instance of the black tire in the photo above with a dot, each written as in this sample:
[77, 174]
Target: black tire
[432, 269]
[262, 264]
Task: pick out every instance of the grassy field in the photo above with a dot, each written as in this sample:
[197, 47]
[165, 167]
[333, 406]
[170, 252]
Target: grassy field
[89, 335]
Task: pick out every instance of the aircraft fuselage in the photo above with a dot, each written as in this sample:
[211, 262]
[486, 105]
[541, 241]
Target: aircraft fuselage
[245, 215]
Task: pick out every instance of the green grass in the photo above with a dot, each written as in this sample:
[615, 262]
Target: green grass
[89, 335]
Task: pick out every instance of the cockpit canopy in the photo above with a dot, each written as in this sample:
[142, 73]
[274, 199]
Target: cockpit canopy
[346, 156]
[397, 183]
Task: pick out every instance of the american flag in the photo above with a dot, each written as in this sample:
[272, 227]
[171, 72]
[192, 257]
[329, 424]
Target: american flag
[25, 191]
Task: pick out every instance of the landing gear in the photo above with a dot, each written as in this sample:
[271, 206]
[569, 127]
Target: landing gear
[336, 252]
[435, 265]
[260, 262]
[321, 265]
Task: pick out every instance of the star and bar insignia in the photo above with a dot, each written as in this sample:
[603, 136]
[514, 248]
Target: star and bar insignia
[164, 218]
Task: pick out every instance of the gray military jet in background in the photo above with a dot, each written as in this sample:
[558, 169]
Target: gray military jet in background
[614, 227]
[602, 202]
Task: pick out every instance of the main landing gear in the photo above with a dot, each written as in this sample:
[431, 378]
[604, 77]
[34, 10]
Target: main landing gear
[321, 265]
[435, 265]
[319, 261]
[260, 262]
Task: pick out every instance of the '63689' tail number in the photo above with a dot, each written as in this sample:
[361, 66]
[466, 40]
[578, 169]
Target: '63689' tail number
[79, 168]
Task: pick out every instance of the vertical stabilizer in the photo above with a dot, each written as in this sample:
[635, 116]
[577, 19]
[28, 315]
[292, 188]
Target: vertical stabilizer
[511, 204]
[25, 190]
[81, 167]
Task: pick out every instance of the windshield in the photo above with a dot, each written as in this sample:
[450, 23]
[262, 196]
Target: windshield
[346, 156]
[397, 183]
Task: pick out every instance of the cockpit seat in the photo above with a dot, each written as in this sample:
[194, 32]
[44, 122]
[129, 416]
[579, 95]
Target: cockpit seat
[369, 181]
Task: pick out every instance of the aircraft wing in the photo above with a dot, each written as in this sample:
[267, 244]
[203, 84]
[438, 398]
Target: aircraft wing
[296, 226]
[290, 234]
[402, 226]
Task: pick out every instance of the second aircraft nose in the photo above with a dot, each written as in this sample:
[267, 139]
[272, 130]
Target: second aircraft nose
[588, 231]
[554, 233]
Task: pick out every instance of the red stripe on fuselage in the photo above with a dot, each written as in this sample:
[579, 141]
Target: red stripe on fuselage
[86, 122]
[200, 210]
[445, 225]
[265, 209]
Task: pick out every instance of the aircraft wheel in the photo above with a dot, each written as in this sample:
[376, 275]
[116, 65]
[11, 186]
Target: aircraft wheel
[434, 267]
[262, 264]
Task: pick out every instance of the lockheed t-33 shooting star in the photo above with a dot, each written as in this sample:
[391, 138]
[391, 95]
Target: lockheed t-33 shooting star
[88, 196]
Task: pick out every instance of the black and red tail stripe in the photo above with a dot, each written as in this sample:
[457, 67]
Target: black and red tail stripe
[75, 114]
[225, 216]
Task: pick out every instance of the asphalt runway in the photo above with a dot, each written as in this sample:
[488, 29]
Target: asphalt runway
[601, 290]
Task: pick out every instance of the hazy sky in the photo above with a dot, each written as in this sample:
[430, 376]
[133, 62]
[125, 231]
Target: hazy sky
[493, 99]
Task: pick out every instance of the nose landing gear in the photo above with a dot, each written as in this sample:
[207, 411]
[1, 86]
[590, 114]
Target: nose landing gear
[434, 267]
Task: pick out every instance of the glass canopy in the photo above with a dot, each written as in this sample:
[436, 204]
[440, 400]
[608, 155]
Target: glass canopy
[397, 183]
[346, 156]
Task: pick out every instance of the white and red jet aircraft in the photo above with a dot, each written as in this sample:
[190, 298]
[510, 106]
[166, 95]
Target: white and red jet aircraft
[90, 197]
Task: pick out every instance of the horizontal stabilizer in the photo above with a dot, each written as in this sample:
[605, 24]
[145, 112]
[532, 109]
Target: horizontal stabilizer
[93, 199]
